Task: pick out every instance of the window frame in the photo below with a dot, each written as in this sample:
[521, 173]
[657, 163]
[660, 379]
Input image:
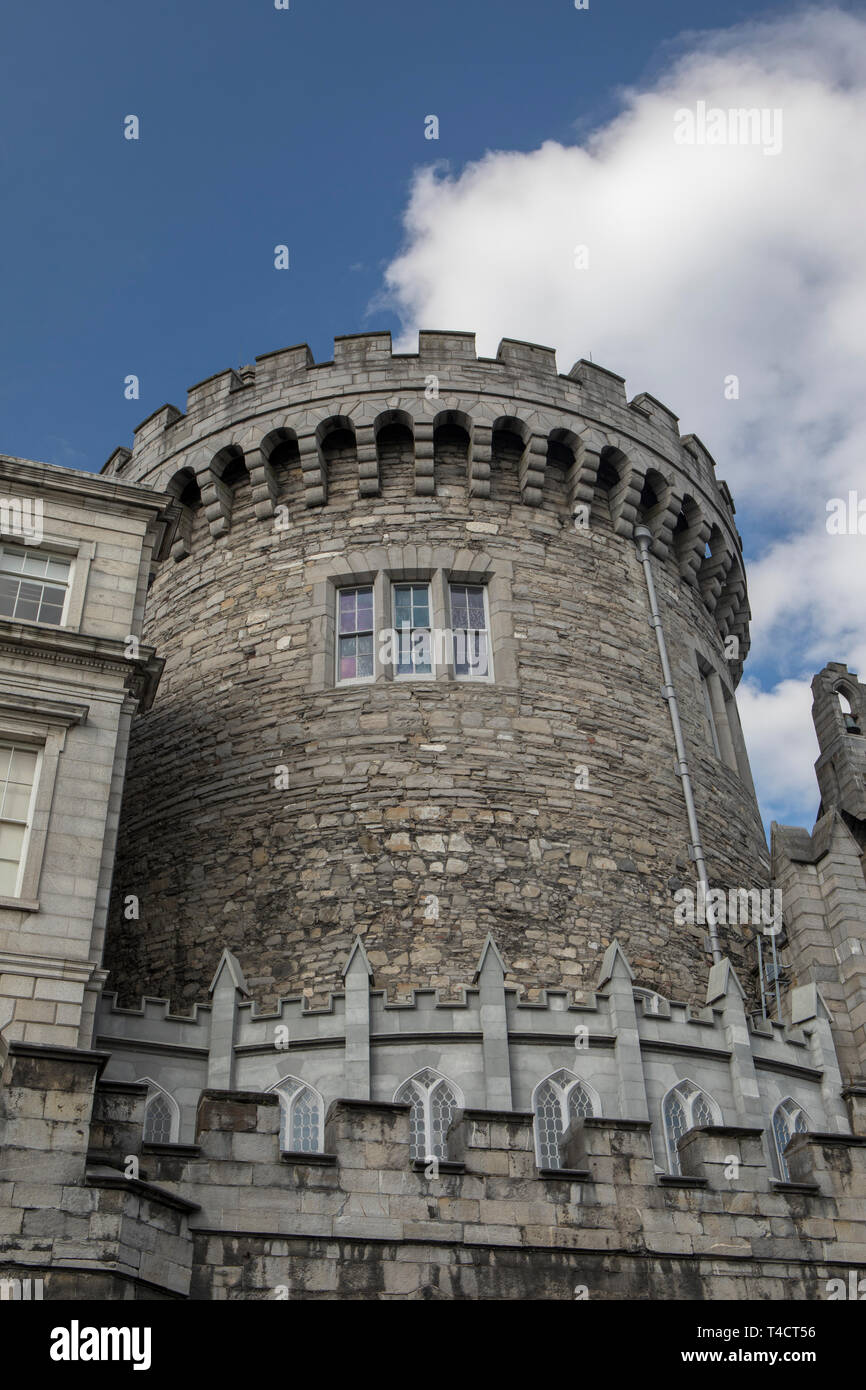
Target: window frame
[688, 1102]
[288, 1100]
[80, 554]
[43, 553]
[564, 1093]
[39, 750]
[413, 675]
[153, 1091]
[385, 565]
[723, 719]
[709, 714]
[44, 730]
[427, 1093]
[792, 1110]
[477, 583]
[355, 588]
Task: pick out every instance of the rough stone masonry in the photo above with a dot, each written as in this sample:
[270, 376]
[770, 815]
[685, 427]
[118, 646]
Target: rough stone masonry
[404, 1004]
[425, 813]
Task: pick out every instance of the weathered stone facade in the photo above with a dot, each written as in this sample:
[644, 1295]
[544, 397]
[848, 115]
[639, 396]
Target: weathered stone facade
[68, 692]
[362, 1221]
[402, 792]
[579, 1095]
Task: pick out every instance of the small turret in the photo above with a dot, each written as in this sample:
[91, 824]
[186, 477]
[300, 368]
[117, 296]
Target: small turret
[838, 710]
[821, 875]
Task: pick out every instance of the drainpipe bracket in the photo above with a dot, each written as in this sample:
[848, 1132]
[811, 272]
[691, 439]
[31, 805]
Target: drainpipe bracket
[668, 692]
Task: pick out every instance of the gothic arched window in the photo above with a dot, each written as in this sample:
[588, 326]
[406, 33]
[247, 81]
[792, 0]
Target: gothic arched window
[789, 1119]
[852, 724]
[686, 1107]
[302, 1114]
[434, 1101]
[556, 1102]
[161, 1115]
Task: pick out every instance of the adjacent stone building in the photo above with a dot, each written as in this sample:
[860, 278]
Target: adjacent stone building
[443, 952]
[75, 557]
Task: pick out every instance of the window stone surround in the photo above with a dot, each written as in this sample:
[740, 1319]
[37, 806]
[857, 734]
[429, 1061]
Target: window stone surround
[45, 731]
[382, 567]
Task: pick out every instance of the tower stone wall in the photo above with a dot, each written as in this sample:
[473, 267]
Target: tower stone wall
[542, 806]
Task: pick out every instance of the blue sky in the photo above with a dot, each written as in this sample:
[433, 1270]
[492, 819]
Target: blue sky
[258, 127]
[306, 127]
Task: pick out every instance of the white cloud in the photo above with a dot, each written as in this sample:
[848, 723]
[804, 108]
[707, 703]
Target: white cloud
[774, 723]
[703, 261]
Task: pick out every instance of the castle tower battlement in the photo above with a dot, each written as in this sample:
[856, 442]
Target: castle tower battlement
[283, 410]
[294, 787]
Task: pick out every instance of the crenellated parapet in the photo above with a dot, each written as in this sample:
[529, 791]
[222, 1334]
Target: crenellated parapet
[244, 1206]
[627, 1049]
[527, 434]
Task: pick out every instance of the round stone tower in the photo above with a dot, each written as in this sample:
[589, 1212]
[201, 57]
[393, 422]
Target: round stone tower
[414, 686]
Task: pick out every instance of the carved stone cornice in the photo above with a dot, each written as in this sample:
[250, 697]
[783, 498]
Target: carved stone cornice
[50, 479]
[106, 654]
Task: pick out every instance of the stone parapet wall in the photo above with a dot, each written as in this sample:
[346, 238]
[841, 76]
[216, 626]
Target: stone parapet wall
[86, 1227]
[231, 1217]
[494, 1047]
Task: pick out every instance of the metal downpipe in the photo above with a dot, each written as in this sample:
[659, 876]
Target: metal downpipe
[643, 536]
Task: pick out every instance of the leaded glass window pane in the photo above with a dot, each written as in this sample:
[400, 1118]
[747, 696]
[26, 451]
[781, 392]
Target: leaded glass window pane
[157, 1121]
[788, 1120]
[548, 1124]
[305, 1122]
[675, 1125]
[410, 1094]
[443, 1104]
[782, 1132]
[701, 1110]
[433, 1101]
[286, 1090]
[579, 1103]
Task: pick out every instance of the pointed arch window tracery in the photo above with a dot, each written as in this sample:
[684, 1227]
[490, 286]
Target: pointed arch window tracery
[557, 1101]
[434, 1101]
